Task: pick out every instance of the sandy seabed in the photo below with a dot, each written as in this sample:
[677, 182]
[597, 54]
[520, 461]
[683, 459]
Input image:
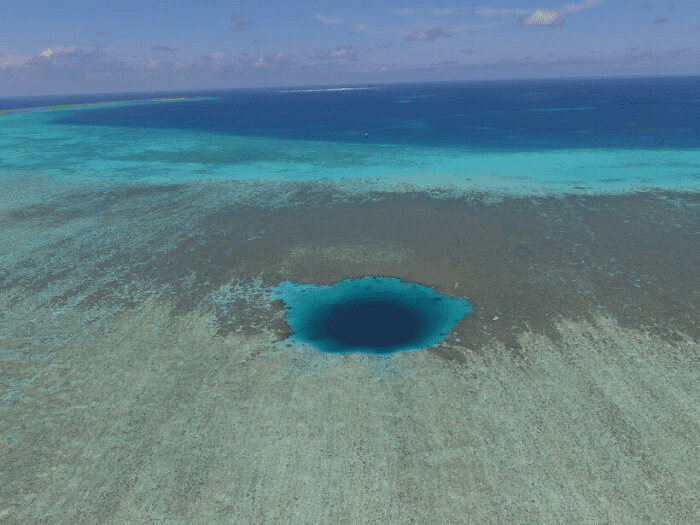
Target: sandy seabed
[145, 377]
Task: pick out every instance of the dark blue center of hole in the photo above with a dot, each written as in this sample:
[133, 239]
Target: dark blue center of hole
[374, 315]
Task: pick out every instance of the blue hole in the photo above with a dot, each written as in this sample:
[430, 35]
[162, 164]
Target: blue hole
[372, 315]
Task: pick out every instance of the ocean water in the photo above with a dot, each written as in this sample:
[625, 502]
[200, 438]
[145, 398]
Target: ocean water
[139, 338]
[375, 316]
[514, 137]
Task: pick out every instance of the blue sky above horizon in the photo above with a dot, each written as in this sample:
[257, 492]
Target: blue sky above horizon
[66, 47]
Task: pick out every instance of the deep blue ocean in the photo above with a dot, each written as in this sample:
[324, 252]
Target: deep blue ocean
[606, 134]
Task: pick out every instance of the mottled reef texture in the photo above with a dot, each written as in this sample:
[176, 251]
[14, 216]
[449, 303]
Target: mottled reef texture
[144, 375]
[523, 263]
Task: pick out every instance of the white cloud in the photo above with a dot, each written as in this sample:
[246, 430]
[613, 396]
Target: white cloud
[572, 8]
[270, 61]
[163, 49]
[57, 49]
[542, 18]
[327, 19]
[12, 58]
[429, 36]
[340, 53]
[133, 59]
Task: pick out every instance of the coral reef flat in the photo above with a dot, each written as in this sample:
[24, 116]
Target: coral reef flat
[145, 376]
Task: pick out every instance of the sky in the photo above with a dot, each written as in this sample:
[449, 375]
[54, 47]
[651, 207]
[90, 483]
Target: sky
[112, 46]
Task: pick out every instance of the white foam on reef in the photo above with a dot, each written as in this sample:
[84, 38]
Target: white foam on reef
[320, 89]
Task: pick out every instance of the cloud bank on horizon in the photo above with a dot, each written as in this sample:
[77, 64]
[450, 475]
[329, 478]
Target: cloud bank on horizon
[81, 46]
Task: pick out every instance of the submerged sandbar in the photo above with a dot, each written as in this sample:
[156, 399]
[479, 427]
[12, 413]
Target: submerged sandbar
[104, 103]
